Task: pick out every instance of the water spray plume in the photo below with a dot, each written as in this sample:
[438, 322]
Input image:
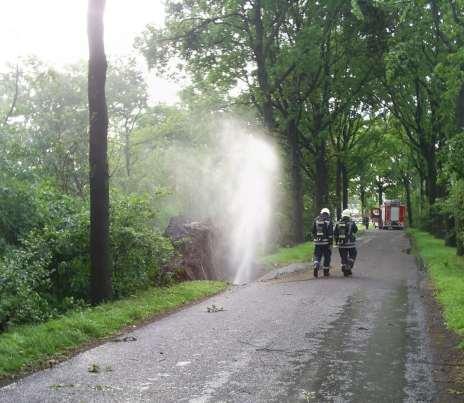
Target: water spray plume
[251, 200]
[234, 184]
[249, 175]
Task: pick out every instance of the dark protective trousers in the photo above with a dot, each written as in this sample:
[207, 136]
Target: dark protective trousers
[347, 254]
[320, 251]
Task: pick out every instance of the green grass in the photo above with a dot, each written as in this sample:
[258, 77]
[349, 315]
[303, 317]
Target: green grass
[27, 347]
[447, 273]
[295, 254]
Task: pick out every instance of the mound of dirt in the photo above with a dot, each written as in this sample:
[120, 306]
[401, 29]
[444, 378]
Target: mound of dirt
[200, 247]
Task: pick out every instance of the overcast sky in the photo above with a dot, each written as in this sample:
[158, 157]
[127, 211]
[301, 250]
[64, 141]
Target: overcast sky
[56, 31]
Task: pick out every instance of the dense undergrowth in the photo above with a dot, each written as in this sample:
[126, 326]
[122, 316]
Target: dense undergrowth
[44, 244]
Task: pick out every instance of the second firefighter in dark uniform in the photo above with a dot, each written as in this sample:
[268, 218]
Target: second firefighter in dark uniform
[346, 241]
[323, 240]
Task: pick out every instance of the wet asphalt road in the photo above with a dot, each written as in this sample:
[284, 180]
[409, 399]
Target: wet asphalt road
[359, 339]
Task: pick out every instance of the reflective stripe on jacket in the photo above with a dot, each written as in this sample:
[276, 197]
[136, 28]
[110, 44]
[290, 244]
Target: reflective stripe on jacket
[350, 241]
[327, 238]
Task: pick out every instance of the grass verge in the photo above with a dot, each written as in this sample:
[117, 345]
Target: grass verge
[25, 348]
[302, 252]
[447, 273]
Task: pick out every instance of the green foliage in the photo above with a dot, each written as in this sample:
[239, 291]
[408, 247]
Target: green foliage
[456, 160]
[50, 263]
[139, 251]
[456, 203]
[435, 219]
[47, 263]
[24, 286]
[26, 347]
[18, 211]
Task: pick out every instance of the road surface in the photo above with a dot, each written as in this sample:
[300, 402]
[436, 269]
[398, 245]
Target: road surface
[336, 339]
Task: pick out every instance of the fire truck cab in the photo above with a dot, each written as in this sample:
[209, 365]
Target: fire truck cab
[393, 214]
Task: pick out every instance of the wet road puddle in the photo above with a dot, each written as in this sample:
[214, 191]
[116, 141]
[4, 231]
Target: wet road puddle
[361, 356]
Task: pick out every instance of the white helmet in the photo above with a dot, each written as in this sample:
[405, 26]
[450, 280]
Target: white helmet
[346, 213]
[325, 210]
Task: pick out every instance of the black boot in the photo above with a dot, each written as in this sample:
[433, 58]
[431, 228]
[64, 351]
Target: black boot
[345, 270]
[326, 272]
[350, 266]
[316, 269]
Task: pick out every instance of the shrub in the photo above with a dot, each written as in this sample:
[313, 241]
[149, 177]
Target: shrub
[24, 285]
[18, 212]
[49, 272]
[139, 251]
[456, 202]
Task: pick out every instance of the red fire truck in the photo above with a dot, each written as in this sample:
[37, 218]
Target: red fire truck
[393, 215]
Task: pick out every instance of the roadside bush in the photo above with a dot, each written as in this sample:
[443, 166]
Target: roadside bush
[49, 272]
[46, 274]
[139, 251]
[456, 202]
[446, 218]
[18, 212]
[439, 221]
[24, 285]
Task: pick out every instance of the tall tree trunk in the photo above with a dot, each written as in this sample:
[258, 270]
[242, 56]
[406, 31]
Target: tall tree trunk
[260, 57]
[297, 184]
[345, 183]
[380, 191]
[101, 281]
[460, 109]
[421, 191]
[362, 196]
[338, 190]
[431, 177]
[407, 189]
[321, 178]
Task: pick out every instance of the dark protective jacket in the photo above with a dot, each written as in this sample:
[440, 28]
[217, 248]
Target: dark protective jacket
[344, 233]
[323, 230]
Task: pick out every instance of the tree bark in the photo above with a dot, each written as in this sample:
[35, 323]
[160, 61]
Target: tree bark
[380, 191]
[101, 273]
[297, 184]
[460, 109]
[321, 179]
[431, 175]
[421, 191]
[345, 183]
[362, 196]
[338, 190]
[407, 188]
[263, 78]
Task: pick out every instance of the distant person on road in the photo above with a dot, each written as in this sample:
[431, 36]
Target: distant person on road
[346, 241]
[366, 222]
[323, 241]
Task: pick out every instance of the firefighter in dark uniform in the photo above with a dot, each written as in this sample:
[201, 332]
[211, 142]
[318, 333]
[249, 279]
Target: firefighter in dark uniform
[346, 241]
[323, 240]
